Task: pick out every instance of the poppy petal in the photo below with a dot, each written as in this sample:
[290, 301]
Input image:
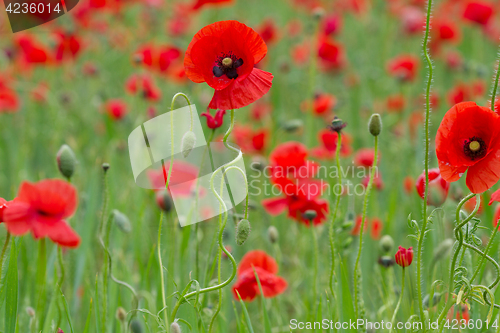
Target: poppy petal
[484, 174]
[244, 92]
[451, 173]
[275, 206]
[64, 235]
[16, 218]
[495, 197]
[258, 258]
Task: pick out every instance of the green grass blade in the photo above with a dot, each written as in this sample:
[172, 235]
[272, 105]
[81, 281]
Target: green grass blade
[11, 293]
[267, 322]
[245, 313]
[89, 316]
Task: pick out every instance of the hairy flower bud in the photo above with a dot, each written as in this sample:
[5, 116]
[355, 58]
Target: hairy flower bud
[122, 221]
[375, 124]
[175, 328]
[121, 314]
[164, 200]
[242, 231]
[187, 144]
[293, 125]
[310, 214]
[66, 161]
[273, 234]
[386, 244]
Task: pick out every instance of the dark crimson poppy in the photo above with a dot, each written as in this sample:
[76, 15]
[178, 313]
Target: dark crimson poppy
[143, 84]
[116, 108]
[438, 187]
[404, 67]
[68, 46]
[478, 12]
[331, 24]
[266, 269]
[41, 208]
[214, 122]
[468, 139]
[404, 257]
[223, 55]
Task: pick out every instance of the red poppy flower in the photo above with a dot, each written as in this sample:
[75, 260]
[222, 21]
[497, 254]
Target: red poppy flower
[266, 269]
[408, 184]
[376, 228]
[404, 67]
[447, 30]
[41, 208]
[32, 51]
[116, 108]
[396, 103]
[184, 176]
[458, 94]
[328, 140]
[468, 139]
[377, 181]
[68, 46]
[142, 83]
[331, 53]
[478, 12]
[471, 204]
[9, 102]
[248, 140]
[200, 3]
[495, 197]
[331, 24]
[496, 216]
[438, 187]
[268, 31]
[364, 157]
[3, 207]
[260, 110]
[404, 257]
[223, 55]
[413, 19]
[214, 122]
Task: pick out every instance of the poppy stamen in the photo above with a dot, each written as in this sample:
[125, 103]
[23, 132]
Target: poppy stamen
[227, 64]
[475, 148]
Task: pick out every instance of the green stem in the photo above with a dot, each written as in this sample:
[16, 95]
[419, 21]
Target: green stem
[311, 83]
[495, 84]
[41, 275]
[105, 273]
[421, 237]
[61, 266]
[189, 103]
[230, 129]
[357, 269]
[314, 240]
[393, 320]
[459, 236]
[337, 202]
[4, 249]
[488, 246]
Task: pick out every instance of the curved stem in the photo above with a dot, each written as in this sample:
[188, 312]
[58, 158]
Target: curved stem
[230, 129]
[189, 103]
[399, 301]
[426, 163]
[488, 246]
[337, 202]
[357, 273]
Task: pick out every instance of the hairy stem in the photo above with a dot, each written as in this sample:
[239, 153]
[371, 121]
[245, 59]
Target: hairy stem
[393, 320]
[337, 202]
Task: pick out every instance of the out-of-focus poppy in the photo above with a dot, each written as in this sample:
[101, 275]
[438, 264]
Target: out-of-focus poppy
[223, 55]
[478, 12]
[144, 85]
[468, 139]
[438, 187]
[403, 67]
[216, 121]
[331, 53]
[328, 140]
[68, 46]
[248, 140]
[260, 263]
[41, 208]
[116, 108]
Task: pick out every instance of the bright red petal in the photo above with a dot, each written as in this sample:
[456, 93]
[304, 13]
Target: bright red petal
[484, 174]
[258, 258]
[275, 206]
[244, 92]
[62, 234]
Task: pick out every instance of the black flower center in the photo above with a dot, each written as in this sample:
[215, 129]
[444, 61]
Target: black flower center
[474, 148]
[226, 64]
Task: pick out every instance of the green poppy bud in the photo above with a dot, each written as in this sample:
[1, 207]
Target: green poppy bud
[136, 326]
[121, 314]
[375, 124]
[310, 214]
[273, 234]
[386, 244]
[66, 161]
[175, 328]
[187, 144]
[293, 125]
[122, 221]
[242, 231]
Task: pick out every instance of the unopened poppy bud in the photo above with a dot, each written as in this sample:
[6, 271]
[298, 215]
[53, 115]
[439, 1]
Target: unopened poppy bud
[121, 314]
[30, 311]
[318, 12]
[242, 231]
[443, 249]
[337, 125]
[386, 244]
[386, 261]
[105, 167]
[273, 234]
[60, 330]
[310, 214]
[188, 141]
[375, 124]
[404, 257]
[175, 328]
[136, 326]
[164, 200]
[66, 161]
[122, 221]
[293, 125]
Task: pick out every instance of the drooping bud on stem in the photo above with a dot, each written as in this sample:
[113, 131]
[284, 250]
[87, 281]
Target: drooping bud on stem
[175, 328]
[122, 221]
[386, 244]
[273, 234]
[375, 124]
[66, 161]
[187, 144]
[164, 200]
[242, 231]
[121, 314]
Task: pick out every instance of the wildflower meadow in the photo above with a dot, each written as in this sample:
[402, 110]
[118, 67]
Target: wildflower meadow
[249, 166]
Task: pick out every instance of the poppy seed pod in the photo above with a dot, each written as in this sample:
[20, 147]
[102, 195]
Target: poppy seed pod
[375, 124]
[66, 161]
[242, 231]
[122, 221]
[136, 326]
[164, 200]
[293, 125]
[310, 214]
[188, 141]
[175, 328]
[386, 244]
[386, 261]
[337, 125]
[105, 167]
[273, 234]
[404, 257]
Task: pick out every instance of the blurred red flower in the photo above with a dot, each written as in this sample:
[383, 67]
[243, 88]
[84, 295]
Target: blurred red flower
[68, 46]
[459, 94]
[266, 269]
[268, 31]
[116, 108]
[223, 55]
[438, 187]
[9, 101]
[468, 139]
[331, 53]
[143, 84]
[404, 257]
[478, 12]
[3, 206]
[404, 67]
[328, 140]
[248, 140]
[41, 208]
[31, 50]
[197, 4]
[364, 157]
